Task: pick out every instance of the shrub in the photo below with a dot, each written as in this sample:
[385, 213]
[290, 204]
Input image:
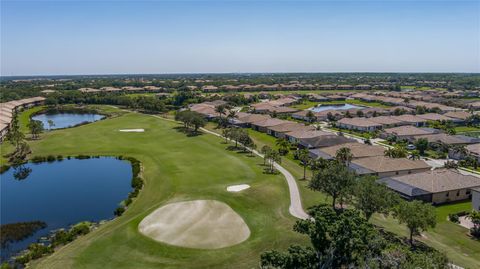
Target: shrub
[59, 158]
[4, 168]
[454, 218]
[38, 159]
[119, 211]
[51, 158]
[82, 157]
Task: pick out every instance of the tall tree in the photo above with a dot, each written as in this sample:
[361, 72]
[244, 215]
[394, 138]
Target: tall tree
[397, 151]
[372, 197]
[304, 157]
[36, 127]
[421, 145]
[283, 146]
[417, 215]
[344, 156]
[265, 150]
[14, 135]
[310, 116]
[335, 180]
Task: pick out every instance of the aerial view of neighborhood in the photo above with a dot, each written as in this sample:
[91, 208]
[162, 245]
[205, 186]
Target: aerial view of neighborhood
[198, 149]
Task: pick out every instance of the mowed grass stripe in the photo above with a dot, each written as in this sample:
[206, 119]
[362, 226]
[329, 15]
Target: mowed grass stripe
[176, 168]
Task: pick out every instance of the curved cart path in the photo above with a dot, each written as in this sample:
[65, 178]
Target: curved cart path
[296, 208]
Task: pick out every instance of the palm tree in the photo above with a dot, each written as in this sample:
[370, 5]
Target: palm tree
[415, 155]
[283, 146]
[304, 157]
[221, 111]
[396, 152]
[344, 156]
[310, 116]
[232, 114]
[265, 150]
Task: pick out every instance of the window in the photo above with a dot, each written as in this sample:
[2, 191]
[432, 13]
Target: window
[458, 193]
[447, 194]
[468, 192]
[396, 173]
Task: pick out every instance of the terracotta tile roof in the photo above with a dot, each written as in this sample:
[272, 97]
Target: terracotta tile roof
[381, 164]
[434, 117]
[458, 115]
[439, 180]
[290, 126]
[358, 150]
[361, 122]
[406, 131]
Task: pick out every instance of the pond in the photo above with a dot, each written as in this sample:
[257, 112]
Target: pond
[334, 107]
[61, 194]
[65, 120]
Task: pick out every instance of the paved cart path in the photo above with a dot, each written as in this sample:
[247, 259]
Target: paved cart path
[296, 208]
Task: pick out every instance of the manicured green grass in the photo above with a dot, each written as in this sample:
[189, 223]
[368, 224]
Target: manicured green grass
[176, 168]
[448, 237]
[464, 129]
[24, 117]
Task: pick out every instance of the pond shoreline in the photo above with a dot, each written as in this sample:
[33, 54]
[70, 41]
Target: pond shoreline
[46, 245]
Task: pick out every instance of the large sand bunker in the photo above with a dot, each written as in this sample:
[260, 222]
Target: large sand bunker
[205, 224]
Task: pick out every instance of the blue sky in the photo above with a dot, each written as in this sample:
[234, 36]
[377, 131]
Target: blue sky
[117, 37]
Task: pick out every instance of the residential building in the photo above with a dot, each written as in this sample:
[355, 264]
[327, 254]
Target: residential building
[359, 124]
[436, 186]
[382, 166]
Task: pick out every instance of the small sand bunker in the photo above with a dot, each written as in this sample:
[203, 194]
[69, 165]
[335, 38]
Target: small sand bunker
[237, 188]
[132, 130]
[204, 224]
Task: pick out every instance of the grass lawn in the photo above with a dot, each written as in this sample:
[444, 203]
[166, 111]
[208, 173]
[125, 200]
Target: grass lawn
[176, 168]
[309, 104]
[447, 236]
[465, 129]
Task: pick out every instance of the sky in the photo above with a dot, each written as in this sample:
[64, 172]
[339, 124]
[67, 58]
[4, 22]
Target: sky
[67, 37]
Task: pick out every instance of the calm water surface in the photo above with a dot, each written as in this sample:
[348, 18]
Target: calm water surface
[334, 107]
[64, 120]
[63, 193]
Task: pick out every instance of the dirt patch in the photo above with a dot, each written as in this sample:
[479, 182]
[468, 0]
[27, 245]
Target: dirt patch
[204, 224]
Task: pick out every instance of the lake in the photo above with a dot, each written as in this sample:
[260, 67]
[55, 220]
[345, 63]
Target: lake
[334, 107]
[63, 193]
[65, 120]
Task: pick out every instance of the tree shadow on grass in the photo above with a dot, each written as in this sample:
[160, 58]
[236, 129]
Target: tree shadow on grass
[187, 131]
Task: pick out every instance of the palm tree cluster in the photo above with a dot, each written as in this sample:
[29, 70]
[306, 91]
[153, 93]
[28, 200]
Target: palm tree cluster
[190, 119]
[270, 157]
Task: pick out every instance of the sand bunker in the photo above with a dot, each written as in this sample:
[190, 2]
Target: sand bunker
[205, 224]
[237, 188]
[132, 130]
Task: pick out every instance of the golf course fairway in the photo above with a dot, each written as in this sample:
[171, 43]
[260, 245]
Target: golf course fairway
[176, 168]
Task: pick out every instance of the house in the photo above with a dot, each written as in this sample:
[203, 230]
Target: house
[360, 124]
[209, 88]
[436, 186]
[458, 116]
[382, 166]
[411, 120]
[434, 117]
[358, 150]
[247, 120]
[280, 130]
[405, 132]
[262, 126]
[323, 141]
[474, 150]
[446, 139]
[296, 135]
[476, 199]
[386, 121]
